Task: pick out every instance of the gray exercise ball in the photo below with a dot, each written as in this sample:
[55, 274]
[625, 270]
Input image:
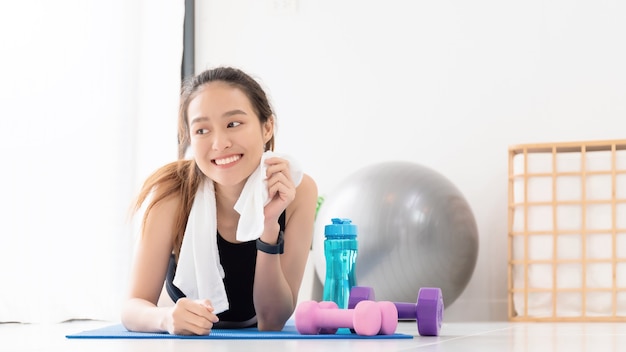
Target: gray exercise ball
[415, 229]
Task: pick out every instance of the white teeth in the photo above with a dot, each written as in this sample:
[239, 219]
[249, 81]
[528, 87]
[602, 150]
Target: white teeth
[228, 160]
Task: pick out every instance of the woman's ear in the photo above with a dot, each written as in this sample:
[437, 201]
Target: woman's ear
[268, 129]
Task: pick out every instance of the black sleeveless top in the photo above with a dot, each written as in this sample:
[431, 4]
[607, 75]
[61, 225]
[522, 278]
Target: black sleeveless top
[239, 263]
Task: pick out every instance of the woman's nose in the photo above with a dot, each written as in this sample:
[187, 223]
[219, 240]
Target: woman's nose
[221, 140]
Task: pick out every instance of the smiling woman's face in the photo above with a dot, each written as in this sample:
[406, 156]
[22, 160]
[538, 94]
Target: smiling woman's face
[227, 139]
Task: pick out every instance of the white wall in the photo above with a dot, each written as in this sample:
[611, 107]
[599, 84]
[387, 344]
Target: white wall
[447, 84]
[88, 103]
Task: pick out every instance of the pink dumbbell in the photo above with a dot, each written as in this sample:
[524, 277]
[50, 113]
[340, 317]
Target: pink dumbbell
[367, 318]
[328, 305]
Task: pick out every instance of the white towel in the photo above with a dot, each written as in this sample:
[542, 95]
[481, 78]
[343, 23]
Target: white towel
[254, 197]
[199, 273]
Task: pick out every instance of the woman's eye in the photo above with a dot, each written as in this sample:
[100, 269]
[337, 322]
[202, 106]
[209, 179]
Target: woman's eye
[202, 131]
[234, 124]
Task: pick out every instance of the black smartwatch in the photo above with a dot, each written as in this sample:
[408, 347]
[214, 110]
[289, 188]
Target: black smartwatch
[278, 248]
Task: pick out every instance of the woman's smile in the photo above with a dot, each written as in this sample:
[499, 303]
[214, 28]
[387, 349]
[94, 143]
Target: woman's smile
[227, 160]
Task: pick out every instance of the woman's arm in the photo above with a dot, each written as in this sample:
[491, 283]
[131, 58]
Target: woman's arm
[278, 277]
[140, 311]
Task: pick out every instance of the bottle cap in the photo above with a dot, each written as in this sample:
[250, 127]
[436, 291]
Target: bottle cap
[340, 228]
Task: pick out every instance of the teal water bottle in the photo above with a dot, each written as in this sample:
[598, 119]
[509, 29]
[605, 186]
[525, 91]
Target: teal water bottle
[340, 251]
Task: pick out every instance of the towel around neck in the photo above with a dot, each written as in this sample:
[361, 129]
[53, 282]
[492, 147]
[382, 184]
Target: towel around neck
[199, 273]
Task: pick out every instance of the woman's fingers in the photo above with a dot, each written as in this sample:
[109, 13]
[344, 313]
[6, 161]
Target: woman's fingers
[280, 187]
[280, 191]
[279, 183]
[277, 166]
[193, 317]
[279, 178]
[285, 192]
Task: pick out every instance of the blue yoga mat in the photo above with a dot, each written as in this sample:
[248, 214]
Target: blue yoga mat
[289, 332]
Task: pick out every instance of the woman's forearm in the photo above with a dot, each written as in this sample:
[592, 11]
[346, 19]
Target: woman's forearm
[273, 298]
[143, 316]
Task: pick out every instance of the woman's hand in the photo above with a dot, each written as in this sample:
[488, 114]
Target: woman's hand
[191, 317]
[280, 186]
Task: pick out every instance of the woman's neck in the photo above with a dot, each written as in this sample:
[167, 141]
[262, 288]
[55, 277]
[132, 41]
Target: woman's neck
[227, 196]
[227, 216]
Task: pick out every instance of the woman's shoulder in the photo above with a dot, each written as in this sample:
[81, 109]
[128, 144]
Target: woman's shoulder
[306, 192]
[308, 185]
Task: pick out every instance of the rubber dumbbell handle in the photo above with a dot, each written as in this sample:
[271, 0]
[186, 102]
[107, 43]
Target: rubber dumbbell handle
[336, 318]
[406, 310]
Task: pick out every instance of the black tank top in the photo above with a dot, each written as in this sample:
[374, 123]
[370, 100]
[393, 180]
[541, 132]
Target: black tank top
[239, 263]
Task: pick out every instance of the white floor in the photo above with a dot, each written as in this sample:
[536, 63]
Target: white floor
[483, 337]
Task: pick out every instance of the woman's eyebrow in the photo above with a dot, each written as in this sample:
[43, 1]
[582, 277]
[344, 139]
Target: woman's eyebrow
[233, 112]
[224, 115]
[198, 119]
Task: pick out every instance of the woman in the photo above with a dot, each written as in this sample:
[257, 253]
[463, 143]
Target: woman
[226, 120]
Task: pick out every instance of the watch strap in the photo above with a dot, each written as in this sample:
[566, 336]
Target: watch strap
[278, 248]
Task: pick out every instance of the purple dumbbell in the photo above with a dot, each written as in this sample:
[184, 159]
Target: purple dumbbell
[367, 318]
[428, 311]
